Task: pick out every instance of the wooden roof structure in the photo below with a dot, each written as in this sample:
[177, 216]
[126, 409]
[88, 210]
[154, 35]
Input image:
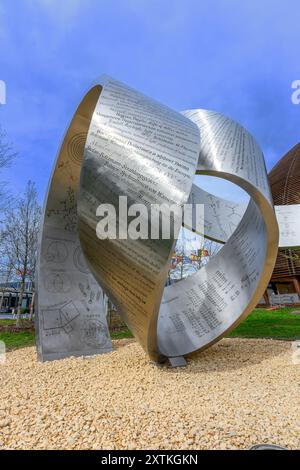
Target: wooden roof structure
[285, 186]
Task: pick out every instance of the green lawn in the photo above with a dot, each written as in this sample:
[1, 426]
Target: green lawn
[278, 324]
[121, 334]
[17, 340]
[12, 322]
[261, 323]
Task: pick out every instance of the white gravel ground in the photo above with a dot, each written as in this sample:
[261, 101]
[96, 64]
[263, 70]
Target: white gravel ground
[238, 393]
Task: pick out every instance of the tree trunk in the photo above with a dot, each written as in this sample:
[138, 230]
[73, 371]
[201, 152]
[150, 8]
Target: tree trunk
[1, 300]
[32, 307]
[20, 301]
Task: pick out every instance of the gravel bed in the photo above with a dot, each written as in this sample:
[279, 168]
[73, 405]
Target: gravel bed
[236, 394]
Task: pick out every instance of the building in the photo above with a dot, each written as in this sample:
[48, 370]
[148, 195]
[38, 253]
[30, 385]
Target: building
[9, 294]
[285, 186]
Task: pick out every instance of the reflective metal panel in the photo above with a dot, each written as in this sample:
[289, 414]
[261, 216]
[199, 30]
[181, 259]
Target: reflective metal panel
[145, 151]
[70, 319]
[221, 217]
[199, 310]
[288, 218]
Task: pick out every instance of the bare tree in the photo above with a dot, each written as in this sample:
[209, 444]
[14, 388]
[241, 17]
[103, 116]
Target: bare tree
[6, 269]
[21, 237]
[7, 156]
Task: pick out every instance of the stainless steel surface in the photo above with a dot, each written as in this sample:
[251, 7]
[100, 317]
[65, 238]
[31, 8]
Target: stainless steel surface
[70, 319]
[177, 361]
[221, 217]
[200, 309]
[138, 148]
[147, 152]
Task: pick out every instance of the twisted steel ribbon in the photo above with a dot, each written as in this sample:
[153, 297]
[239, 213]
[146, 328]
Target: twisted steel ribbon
[121, 143]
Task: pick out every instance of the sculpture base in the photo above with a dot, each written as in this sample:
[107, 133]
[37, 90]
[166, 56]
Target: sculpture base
[177, 361]
[64, 355]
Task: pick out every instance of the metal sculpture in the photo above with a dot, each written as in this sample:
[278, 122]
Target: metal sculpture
[121, 144]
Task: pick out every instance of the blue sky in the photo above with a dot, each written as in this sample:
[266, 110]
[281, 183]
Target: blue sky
[236, 57]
